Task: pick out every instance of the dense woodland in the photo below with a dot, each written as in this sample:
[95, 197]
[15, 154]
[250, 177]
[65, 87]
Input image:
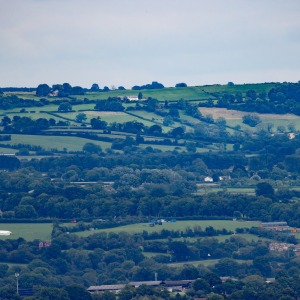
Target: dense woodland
[129, 184]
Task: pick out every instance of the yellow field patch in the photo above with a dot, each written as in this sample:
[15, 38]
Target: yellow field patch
[238, 115]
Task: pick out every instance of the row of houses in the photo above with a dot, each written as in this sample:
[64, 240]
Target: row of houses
[170, 285]
[279, 226]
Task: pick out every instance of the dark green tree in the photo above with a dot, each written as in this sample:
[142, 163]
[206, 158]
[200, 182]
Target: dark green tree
[95, 87]
[42, 90]
[65, 107]
[91, 148]
[264, 189]
[81, 117]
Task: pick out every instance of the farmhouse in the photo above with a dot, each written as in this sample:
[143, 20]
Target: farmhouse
[133, 98]
[276, 226]
[208, 179]
[5, 232]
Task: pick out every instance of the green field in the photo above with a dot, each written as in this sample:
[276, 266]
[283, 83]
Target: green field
[172, 148]
[179, 225]
[206, 262]
[54, 142]
[119, 117]
[34, 116]
[221, 238]
[188, 93]
[145, 116]
[27, 231]
[7, 150]
[50, 107]
[168, 93]
[242, 88]
[235, 117]
[206, 188]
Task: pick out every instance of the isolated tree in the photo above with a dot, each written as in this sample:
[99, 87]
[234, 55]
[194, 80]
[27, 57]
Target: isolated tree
[251, 120]
[97, 123]
[42, 90]
[140, 95]
[91, 148]
[95, 87]
[181, 84]
[65, 106]
[81, 117]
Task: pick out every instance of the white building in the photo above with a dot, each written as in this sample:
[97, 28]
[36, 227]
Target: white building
[5, 232]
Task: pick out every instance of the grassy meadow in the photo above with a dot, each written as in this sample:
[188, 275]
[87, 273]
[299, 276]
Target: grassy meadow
[221, 238]
[168, 93]
[27, 231]
[242, 88]
[206, 262]
[54, 142]
[179, 225]
[204, 189]
[235, 117]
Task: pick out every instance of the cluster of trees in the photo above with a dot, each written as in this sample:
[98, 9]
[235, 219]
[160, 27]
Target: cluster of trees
[111, 104]
[284, 98]
[149, 86]
[25, 125]
[13, 101]
[110, 258]
[144, 183]
[119, 186]
[95, 88]
[58, 90]
[181, 84]
[251, 120]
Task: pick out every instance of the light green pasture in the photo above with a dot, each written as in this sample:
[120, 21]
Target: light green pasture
[27, 231]
[206, 263]
[54, 142]
[179, 225]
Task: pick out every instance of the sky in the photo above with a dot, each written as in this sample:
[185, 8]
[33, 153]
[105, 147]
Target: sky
[135, 42]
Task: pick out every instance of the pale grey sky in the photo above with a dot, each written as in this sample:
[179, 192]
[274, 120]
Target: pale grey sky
[134, 42]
